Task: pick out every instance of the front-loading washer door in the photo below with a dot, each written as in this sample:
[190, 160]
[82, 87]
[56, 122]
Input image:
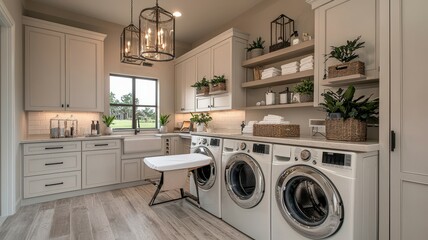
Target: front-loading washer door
[206, 175]
[309, 202]
[244, 180]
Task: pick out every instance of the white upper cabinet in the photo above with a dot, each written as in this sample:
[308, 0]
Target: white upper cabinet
[185, 76]
[222, 55]
[341, 20]
[63, 68]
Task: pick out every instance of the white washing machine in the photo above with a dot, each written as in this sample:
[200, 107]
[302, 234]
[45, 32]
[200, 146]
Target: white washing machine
[324, 194]
[209, 177]
[245, 192]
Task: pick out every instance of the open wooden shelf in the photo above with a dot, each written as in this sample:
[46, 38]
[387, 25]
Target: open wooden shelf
[278, 80]
[278, 106]
[282, 54]
[355, 79]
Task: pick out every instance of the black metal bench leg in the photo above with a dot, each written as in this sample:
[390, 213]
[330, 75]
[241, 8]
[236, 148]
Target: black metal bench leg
[196, 187]
[182, 193]
[157, 191]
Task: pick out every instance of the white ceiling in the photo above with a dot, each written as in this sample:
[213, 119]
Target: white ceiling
[200, 17]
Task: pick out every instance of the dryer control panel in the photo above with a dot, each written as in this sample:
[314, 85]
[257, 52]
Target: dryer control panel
[261, 148]
[339, 159]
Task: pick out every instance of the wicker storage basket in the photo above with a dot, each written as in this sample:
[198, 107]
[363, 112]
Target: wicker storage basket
[276, 130]
[203, 91]
[345, 69]
[346, 130]
[218, 87]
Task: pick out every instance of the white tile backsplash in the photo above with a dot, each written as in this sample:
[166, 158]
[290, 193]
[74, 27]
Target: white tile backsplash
[38, 122]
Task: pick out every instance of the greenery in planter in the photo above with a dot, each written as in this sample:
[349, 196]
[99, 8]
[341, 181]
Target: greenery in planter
[201, 118]
[305, 87]
[346, 53]
[343, 102]
[164, 119]
[108, 119]
[218, 79]
[258, 43]
[200, 84]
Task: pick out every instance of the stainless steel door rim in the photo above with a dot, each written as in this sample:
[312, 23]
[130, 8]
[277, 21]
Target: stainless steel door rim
[244, 180]
[309, 202]
[206, 176]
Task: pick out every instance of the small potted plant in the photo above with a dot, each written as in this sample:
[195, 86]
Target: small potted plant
[202, 87]
[347, 116]
[218, 83]
[345, 54]
[108, 121]
[164, 120]
[201, 120]
[305, 91]
[255, 48]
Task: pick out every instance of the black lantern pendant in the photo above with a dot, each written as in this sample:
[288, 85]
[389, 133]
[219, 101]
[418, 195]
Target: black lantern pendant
[281, 30]
[129, 42]
[157, 34]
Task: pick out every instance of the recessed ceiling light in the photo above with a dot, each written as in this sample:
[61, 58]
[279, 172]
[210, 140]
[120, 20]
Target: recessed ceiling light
[177, 14]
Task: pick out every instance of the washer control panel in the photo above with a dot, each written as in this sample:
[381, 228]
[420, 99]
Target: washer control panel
[338, 159]
[261, 148]
[215, 142]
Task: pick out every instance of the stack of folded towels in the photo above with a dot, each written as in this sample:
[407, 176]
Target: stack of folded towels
[273, 119]
[249, 127]
[270, 72]
[290, 68]
[307, 63]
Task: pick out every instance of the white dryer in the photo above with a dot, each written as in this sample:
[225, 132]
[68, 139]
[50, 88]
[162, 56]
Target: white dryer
[319, 194]
[246, 189]
[209, 177]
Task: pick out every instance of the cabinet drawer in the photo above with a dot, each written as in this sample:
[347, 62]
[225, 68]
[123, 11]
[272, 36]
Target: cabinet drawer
[100, 145]
[52, 163]
[52, 183]
[52, 147]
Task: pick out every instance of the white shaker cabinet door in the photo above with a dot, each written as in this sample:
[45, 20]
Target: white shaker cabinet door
[44, 69]
[100, 168]
[84, 74]
[189, 80]
[131, 170]
[179, 87]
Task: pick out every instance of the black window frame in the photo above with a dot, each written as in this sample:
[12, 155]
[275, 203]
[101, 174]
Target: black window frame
[134, 106]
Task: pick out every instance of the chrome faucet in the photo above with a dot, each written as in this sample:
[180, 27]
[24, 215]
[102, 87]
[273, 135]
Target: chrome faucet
[137, 125]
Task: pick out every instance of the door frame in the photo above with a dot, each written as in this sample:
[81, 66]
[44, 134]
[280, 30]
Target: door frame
[7, 113]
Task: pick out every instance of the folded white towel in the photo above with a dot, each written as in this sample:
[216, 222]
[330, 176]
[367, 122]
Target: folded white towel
[290, 69]
[307, 64]
[289, 72]
[271, 69]
[251, 123]
[248, 129]
[269, 75]
[307, 59]
[306, 68]
[274, 122]
[272, 116]
[292, 64]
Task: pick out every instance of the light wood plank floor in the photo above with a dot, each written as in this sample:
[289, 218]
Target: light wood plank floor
[119, 214]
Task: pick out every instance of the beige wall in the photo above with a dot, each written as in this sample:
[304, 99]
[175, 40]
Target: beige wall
[162, 71]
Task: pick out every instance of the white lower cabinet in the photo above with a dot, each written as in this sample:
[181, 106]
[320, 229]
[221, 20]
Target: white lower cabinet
[131, 170]
[52, 183]
[100, 168]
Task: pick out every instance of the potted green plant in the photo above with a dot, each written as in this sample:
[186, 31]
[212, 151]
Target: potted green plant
[108, 121]
[202, 120]
[164, 120]
[218, 83]
[305, 91]
[346, 54]
[347, 116]
[255, 48]
[202, 87]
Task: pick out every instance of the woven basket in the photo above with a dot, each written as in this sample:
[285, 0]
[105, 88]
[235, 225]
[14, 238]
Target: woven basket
[345, 69]
[346, 130]
[306, 98]
[218, 87]
[276, 130]
[203, 91]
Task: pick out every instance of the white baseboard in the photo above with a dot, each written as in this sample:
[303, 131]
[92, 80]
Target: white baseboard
[53, 197]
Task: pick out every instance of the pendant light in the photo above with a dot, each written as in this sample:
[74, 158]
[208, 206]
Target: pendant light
[157, 34]
[129, 42]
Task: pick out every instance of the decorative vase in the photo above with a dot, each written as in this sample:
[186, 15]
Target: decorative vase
[256, 52]
[163, 129]
[200, 127]
[108, 131]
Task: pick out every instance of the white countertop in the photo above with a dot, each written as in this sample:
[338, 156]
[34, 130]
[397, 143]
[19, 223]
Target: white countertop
[46, 138]
[317, 142]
